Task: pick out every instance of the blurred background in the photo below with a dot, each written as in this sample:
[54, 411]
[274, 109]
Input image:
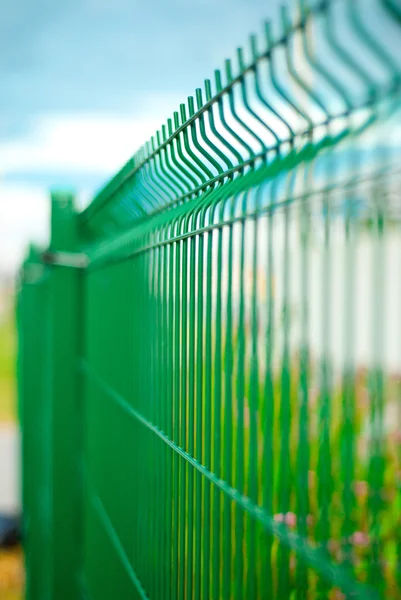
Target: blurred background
[83, 84]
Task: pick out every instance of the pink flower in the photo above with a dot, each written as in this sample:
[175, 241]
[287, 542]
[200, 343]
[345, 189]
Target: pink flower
[359, 538]
[361, 488]
[333, 545]
[291, 519]
[396, 436]
[279, 517]
[338, 595]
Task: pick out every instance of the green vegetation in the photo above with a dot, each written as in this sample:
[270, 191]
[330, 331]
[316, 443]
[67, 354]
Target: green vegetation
[8, 411]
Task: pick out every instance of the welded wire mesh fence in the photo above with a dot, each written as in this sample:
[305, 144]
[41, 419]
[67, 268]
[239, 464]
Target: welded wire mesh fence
[210, 351]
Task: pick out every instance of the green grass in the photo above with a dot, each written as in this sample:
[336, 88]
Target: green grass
[11, 570]
[8, 410]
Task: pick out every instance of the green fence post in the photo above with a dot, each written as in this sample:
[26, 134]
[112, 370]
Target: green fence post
[65, 400]
[33, 357]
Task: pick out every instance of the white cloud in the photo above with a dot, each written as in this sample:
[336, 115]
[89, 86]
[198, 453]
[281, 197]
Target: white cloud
[76, 142]
[67, 144]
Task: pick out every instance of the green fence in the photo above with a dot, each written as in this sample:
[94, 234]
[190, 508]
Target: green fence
[209, 353]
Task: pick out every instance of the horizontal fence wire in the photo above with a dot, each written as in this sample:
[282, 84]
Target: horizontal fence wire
[240, 357]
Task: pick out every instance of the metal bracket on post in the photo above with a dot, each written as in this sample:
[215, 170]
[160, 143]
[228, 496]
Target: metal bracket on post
[73, 260]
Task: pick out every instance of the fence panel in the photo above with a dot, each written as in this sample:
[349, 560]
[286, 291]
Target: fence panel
[234, 359]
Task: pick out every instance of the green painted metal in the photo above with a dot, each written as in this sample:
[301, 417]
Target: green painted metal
[209, 359]
[33, 342]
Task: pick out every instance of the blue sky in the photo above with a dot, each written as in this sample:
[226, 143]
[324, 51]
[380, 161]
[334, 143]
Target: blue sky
[85, 82]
